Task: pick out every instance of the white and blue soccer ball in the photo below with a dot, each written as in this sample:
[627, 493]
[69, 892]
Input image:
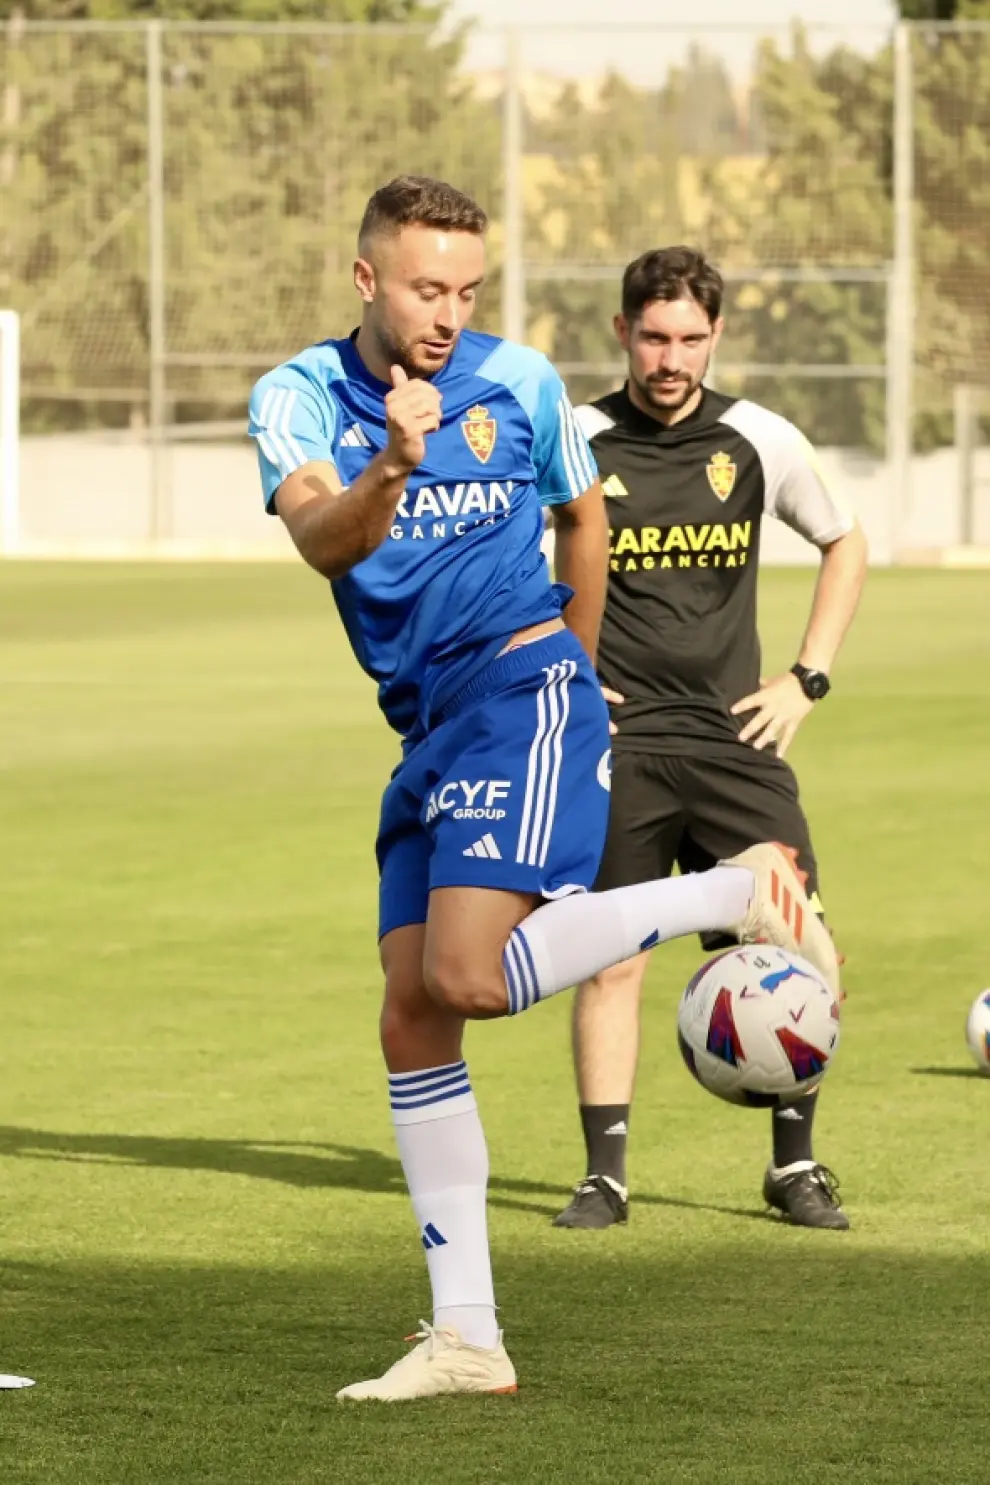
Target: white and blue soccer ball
[758, 1026]
[978, 1031]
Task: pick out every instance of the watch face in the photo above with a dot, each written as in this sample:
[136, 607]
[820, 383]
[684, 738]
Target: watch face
[816, 685]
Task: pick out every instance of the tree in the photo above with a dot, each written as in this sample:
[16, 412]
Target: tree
[272, 141]
[373, 12]
[952, 179]
[797, 173]
[818, 203]
[620, 172]
[928, 10]
[792, 194]
[944, 10]
[823, 196]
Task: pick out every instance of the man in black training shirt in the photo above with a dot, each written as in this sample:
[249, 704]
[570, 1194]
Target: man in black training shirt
[697, 767]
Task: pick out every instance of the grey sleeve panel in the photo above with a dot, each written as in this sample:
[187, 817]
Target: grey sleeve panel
[794, 488]
[592, 420]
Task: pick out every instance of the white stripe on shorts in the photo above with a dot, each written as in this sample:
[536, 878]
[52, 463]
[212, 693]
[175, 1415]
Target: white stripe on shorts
[545, 760]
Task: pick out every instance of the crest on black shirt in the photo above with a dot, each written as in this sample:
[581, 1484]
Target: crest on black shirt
[721, 473]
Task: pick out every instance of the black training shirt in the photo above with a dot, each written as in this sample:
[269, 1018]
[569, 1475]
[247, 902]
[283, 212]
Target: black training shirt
[685, 507]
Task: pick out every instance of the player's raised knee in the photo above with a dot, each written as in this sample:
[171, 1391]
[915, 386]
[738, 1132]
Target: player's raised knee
[471, 990]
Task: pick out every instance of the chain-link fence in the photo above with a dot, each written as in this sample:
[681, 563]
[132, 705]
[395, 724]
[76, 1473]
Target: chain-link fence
[950, 127]
[722, 151]
[189, 195]
[178, 206]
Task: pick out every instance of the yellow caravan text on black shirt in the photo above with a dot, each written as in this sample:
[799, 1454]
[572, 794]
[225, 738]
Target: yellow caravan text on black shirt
[709, 545]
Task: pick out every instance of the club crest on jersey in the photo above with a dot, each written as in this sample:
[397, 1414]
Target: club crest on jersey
[721, 473]
[480, 432]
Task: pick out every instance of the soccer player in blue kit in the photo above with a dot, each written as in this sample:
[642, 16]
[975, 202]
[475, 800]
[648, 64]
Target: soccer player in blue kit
[411, 463]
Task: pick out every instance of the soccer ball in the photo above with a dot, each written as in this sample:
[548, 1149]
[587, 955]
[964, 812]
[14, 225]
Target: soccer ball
[758, 1026]
[978, 1031]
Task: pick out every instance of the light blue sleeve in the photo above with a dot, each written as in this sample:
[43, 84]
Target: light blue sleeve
[565, 465]
[291, 425]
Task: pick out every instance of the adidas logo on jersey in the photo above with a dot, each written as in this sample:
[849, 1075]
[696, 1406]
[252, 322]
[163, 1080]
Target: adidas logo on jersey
[485, 849]
[613, 488]
[355, 438]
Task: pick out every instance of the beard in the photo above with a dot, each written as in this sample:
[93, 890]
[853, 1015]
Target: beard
[415, 359]
[673, 398]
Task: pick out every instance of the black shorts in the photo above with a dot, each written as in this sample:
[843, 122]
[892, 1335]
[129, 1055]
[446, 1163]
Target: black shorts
[692, 812]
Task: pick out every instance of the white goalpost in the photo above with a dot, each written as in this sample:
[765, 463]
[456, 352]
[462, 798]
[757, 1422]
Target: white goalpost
[10, 431]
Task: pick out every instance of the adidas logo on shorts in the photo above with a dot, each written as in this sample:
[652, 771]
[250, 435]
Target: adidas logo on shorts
[485, 848]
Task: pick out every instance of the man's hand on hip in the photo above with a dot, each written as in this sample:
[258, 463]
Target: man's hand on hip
[779, 707]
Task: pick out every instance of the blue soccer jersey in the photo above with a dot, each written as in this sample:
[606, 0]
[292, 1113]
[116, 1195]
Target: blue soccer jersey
[462, 567]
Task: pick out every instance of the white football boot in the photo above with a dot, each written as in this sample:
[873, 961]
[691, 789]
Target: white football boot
[442, 1363]
[780, 912]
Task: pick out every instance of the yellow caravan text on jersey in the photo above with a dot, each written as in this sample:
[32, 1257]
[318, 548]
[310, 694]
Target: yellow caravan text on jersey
[707, 545]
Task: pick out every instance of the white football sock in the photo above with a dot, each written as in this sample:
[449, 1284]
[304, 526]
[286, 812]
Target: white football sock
[445, 1159]
[567, 941]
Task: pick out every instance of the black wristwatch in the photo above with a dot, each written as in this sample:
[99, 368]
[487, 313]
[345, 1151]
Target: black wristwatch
[814, 683]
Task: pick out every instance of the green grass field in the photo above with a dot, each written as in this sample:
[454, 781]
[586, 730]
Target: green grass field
[204, 1227]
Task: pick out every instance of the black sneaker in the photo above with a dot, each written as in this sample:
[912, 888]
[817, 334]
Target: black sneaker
[598, 1202]
[807, 1197]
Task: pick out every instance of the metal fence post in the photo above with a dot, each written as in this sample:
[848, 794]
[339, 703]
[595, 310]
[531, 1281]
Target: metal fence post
[513, 262]
[901, 306]
[10, 431]
[157, 412]
[964, 420]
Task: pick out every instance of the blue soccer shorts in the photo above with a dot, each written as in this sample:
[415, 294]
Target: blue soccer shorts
[509, 790]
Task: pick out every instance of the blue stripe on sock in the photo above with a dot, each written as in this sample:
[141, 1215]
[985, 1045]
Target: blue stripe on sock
[412, 1080]
[514, 979]
[526, 996]
[510, 987]
[527, 989]
[426, 1085]
[402, 1105]
[527, 954]
[399, 1095]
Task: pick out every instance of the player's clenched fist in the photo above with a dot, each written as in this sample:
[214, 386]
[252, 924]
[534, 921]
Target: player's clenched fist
[412, 410]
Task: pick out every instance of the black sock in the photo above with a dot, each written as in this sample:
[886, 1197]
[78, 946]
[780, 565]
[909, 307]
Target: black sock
[792, 1130]
[606, 1129]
